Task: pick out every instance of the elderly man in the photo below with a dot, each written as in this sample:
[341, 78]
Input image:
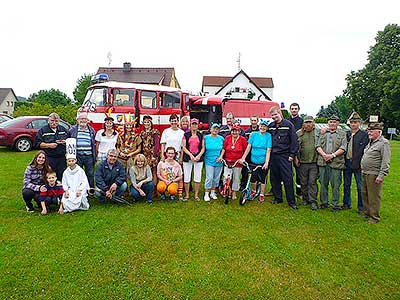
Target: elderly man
[85, 145]
[110, 177]
[284, 149]
[225, 130]
[357, 139]
[306, 162]
[51, 138]
[375, 165]
[331, 147]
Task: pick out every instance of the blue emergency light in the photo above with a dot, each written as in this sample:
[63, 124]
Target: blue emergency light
[102, 77]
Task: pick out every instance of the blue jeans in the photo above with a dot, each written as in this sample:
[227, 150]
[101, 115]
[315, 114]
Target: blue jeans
[147, 188]
[213, 174]
[86, 162]
[119, 193]
[348, 172]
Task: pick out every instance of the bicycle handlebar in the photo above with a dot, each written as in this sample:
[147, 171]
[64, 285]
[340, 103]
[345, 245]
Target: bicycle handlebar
[246, 164]
[228, 166]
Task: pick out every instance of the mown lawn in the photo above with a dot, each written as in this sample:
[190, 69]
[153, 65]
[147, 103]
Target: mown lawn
[196, 250]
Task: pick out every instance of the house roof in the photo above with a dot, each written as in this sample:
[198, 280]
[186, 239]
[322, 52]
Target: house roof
[160, 76]
[4, 92]
[261, 82]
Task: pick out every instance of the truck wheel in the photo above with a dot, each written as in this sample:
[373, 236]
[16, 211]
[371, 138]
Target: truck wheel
[23, 144]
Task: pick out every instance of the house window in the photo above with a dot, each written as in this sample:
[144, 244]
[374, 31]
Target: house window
[148, 99]
[8, 103]
[124, 97]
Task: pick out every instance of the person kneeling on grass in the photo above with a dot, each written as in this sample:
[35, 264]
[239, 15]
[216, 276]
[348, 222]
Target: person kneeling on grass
[51, 194]
[169, 172]
[141, 178]
[75, 185]
[110, 177]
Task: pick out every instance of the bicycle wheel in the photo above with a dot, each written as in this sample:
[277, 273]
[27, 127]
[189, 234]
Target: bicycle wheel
[243, 198]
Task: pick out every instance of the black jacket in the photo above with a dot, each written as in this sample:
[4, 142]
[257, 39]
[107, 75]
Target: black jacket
[284, 138]
[47, 135]
[105, 176]
[360, 140]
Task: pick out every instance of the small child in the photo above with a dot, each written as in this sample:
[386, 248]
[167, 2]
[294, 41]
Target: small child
[52, 194]
[169, 172]
[75, 185]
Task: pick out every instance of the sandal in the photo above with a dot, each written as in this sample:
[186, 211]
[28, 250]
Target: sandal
[185, 199]
[261, 198]
[197, 198]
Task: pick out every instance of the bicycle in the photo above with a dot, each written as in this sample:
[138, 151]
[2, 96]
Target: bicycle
[226, 190]
[246, 192]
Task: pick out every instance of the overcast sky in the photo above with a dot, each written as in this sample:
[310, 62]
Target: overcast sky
[307, 47]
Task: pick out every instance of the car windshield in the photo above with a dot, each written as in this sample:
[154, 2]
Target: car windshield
[95, 97]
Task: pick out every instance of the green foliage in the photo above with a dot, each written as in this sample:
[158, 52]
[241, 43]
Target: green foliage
[81, 87]
[341, 106]
[196, 250]
[66, 112]
[53, 97]
[321, 120]
[375, 89]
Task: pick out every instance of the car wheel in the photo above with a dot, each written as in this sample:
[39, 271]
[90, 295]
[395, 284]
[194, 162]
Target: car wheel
[23, 144]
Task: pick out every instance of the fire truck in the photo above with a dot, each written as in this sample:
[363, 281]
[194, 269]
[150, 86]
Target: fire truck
[213, 109]
[123, 100]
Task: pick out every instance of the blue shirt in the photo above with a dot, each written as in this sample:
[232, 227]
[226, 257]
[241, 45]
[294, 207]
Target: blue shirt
[259, 145]
[213, 147]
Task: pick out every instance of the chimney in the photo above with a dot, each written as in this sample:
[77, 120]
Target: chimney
[127, 66]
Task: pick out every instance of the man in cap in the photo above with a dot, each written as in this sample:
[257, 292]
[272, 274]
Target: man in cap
[225, 130]
[331, 146]
[51, 138]
[284, 149]
[85, 145]
[306, 162]
[375, 165]
[357, 139]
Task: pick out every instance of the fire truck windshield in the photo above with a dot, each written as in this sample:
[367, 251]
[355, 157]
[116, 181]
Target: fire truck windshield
[94, 98]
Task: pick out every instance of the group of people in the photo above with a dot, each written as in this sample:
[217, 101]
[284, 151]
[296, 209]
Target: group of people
[171, 164]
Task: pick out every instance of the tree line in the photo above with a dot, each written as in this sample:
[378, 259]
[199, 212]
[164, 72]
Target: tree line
[375, 89]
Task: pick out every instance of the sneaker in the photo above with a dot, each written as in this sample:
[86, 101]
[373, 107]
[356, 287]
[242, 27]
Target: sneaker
[163, 198]
[372, 221]
[323, 206]
[314, 206]
[213, 195]
[253, 193]
[29, 210]
[172, 198]
[207, 198]
[344, 207]
[335, 208]
[261, 198]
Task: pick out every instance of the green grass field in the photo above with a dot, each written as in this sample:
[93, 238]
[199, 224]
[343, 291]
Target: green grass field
[196, 250]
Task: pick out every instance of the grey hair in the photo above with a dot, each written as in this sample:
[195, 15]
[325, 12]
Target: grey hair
[112, 151]
[54, 115]
[79, 114]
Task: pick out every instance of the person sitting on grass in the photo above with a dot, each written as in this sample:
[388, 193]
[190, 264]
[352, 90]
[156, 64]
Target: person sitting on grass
[75, 185]
[51, 194]
[110, 177]
[34, 177]
[141, 178]
[169, 173]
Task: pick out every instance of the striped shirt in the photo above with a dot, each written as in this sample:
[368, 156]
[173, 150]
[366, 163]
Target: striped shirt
[83, 142]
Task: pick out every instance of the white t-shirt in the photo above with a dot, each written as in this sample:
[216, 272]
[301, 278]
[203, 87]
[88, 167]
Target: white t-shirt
[172, 138]
[105, 143]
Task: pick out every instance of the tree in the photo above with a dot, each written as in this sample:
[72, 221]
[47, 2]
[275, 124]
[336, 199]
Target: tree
[53, 97]
[375, 89]
[81, 88]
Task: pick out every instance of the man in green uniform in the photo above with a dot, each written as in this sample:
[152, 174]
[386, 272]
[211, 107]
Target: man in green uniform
[306, 161]
[331, 146]
[375, 165]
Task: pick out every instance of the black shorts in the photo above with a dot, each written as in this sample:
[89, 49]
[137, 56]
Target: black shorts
[259, 175]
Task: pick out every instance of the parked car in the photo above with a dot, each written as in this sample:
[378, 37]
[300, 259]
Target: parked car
[20, 133]
[4, 117]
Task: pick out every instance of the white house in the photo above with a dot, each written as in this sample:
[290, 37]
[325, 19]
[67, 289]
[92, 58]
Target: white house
[255, 87]
[7, 100]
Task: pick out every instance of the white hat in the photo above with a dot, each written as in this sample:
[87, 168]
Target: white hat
[70, 145]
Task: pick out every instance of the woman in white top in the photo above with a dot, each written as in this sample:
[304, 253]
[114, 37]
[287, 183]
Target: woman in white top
[172, 137]
[106, 138]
